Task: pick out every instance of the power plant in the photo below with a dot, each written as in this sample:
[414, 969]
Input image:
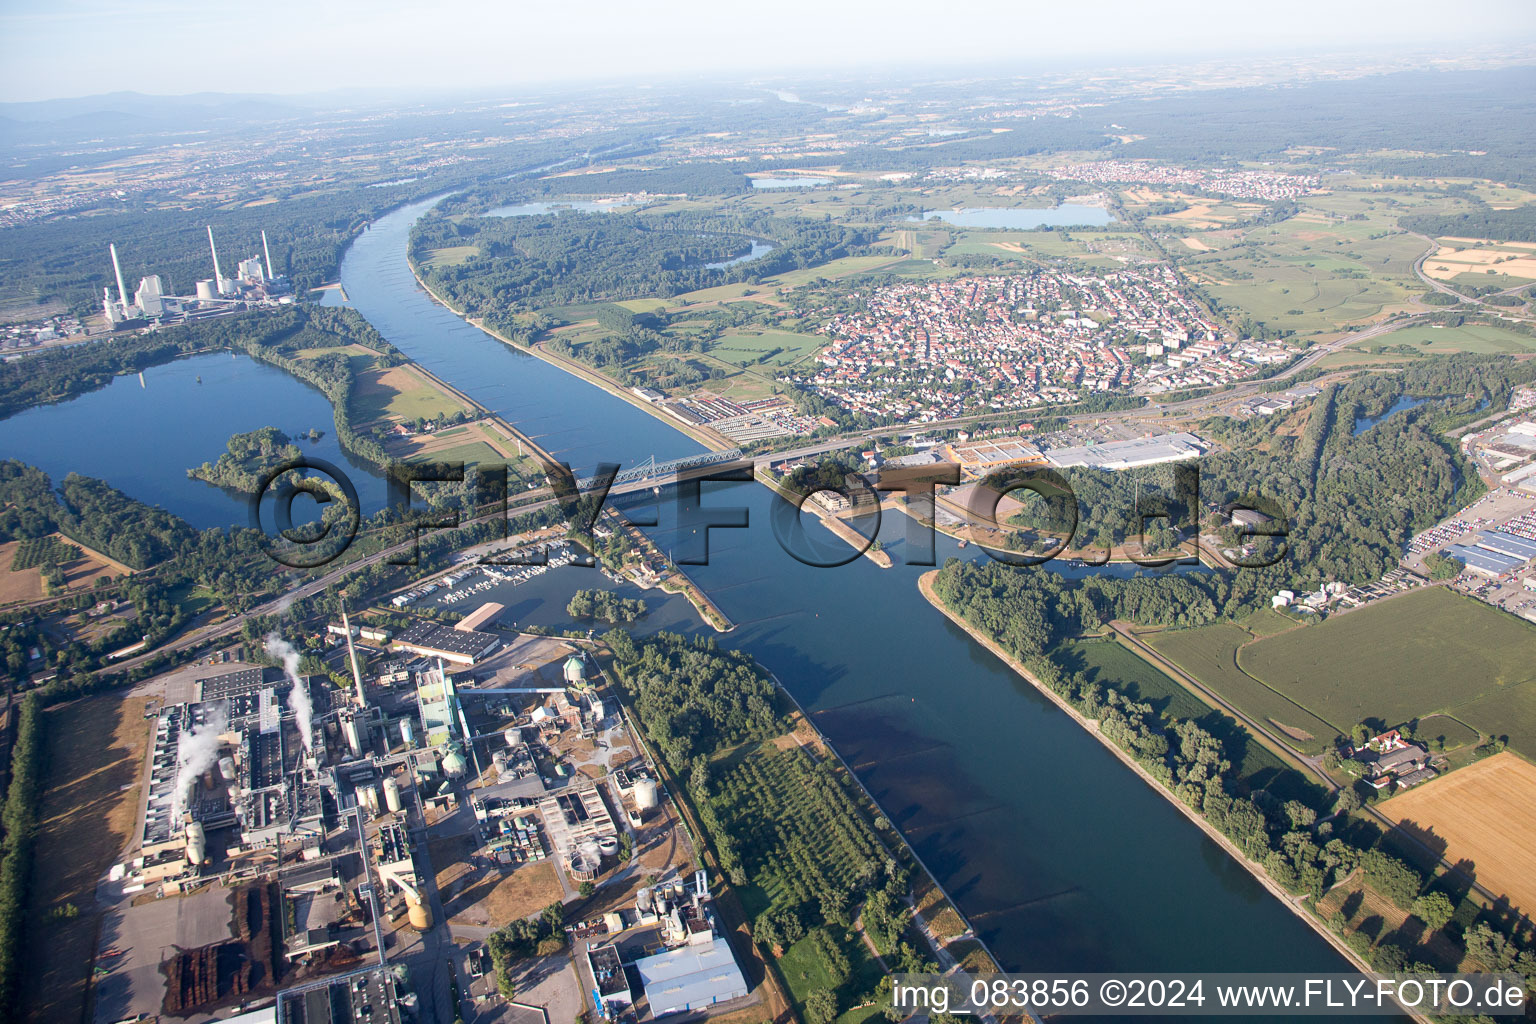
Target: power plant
[254, 284]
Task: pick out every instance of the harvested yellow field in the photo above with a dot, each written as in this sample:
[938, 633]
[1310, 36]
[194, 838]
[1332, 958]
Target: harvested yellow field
[1196, 244]
[1485, 814]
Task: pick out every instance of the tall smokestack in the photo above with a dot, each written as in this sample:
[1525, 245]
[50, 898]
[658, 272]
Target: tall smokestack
[218, 276]
[267, 253]
[357, 672]
[122, 292]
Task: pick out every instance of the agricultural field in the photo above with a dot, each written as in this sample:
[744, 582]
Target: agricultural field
[94, 750]
[779, 805]
[1480, 338]
[21, 567]
[451, 256]
[1319, 269]
[1429, 650]
[1484, 813]
[1480, 261]
[1209, 653]
[772, 348]
[400, 393]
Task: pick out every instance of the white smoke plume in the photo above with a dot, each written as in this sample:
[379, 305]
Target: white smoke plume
[298, 693]
[197, 751]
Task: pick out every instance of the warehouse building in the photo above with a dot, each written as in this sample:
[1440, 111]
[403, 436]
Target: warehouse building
[460, 646]
[1483, 561]
[1141, 451]
[1507, 544]
[691, 977]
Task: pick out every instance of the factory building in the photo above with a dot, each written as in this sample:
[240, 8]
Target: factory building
[459, 646]
[1141, 451]
[218, 295]
[233, 761]
[691, 977]
[1483, 561]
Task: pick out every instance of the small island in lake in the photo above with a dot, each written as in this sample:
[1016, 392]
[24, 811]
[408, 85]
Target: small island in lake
[604, 605]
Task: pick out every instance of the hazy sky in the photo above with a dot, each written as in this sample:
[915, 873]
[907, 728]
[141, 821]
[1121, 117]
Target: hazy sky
[51, 48]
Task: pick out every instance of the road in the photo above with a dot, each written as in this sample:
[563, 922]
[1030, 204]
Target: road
[1445, 289]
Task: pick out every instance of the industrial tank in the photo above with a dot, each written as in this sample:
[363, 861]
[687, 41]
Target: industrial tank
[513, 736]
[205, 290]
[197, 844]
[227, 768]
[454, 765]
[417, 913]
[407, 732]
[391, 794]
[608, 846]
[647, 794]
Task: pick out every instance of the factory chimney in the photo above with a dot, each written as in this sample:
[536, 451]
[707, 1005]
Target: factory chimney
[218, 276]
[267, 253]
[122, 292]
[357, 672]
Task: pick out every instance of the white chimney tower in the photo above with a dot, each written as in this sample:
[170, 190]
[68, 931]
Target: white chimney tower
[357, 672]
[218, 275]
[267, 253]
[122, 292]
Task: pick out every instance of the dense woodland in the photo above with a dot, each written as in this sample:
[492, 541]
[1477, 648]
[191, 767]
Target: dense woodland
[1517, 225]
[526, 263]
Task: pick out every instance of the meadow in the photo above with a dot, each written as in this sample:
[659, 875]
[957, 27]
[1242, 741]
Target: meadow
[1395, 660]
[1480, 338]
[1209, 653]
[771, 348]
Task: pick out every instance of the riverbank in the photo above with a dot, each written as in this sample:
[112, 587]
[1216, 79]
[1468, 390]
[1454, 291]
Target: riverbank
[708, 438]
[925, 586]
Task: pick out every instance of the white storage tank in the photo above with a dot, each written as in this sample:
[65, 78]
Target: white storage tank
[647, 794]
[407, 732]
[197, 844]
[227, 768]
[368, 796]
[513, 736]
[391, 794]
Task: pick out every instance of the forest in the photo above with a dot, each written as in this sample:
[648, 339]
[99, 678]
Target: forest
[1517, 225]
[526, 263]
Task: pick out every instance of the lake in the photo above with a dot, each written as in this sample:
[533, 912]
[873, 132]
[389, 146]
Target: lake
[557, 206]
[789, 182]
[1021, 218]
[142, 438]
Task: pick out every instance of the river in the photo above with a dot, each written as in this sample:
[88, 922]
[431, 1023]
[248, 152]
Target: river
[1060, 857]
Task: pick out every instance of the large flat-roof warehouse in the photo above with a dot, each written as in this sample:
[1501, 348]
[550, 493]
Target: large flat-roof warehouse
[1140, 451]
[460, 646]
[690, 977]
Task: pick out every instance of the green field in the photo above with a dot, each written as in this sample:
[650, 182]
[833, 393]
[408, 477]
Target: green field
[1482, 338]
[450, 256]
[747, 348]
[472, 452]
[401, 394]
[1209, 653]
[1430, 650]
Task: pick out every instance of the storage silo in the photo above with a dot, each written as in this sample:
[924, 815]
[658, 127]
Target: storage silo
[227, 768]
[407, 732]
[647, 794]
[391, 794]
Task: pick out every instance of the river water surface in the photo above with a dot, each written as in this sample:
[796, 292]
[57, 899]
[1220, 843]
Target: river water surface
[1061, 858]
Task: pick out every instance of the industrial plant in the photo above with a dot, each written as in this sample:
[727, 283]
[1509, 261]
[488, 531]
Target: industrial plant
[254, 284]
